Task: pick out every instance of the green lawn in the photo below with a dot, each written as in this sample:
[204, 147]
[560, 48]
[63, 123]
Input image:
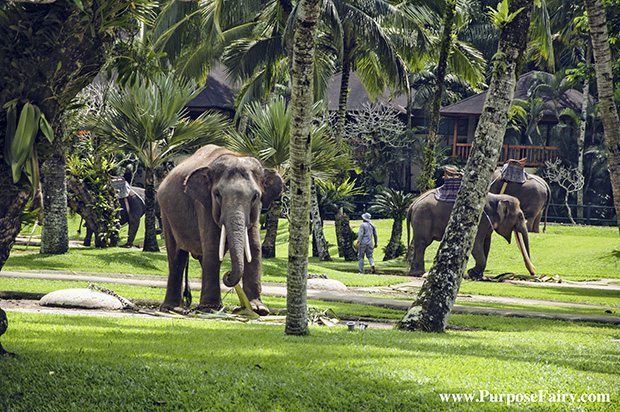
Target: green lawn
[92, 363]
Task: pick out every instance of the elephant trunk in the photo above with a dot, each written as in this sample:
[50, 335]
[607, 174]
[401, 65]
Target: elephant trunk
[524, 247]
[235, 235]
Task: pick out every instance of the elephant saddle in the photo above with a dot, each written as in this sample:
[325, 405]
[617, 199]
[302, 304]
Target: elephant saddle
[514, 171]
[448, 191]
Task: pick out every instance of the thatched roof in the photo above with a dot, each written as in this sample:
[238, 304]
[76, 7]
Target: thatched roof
[358, 97]
[219, 93]
[472, 106]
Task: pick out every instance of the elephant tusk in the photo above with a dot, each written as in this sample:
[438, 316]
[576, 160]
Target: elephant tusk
[248, 252]
[526, 258]
[222, 242]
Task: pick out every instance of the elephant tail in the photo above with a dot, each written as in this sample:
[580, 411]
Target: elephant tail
[547, 206]
[187, 293]
[408, 230]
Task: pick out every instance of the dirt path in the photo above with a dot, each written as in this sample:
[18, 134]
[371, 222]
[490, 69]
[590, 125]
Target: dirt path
[363, 296]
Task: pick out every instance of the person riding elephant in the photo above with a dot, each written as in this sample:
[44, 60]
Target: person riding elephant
[210, 204]
[532, 191]
[132, 208]
[429, 214]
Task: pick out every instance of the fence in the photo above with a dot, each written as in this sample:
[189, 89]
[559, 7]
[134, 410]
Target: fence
[592, 215]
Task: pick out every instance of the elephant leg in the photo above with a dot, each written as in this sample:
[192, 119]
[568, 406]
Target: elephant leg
[535, 225]
[89, 236]
[210, 293]
[252, 274]
[480, 252]
[417, 262]
[134, 225]
[177, 259]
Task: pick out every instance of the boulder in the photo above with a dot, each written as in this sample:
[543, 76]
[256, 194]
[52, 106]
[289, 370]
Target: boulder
[81, 298]
[326, 284]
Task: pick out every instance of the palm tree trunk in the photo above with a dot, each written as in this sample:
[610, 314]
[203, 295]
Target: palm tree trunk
[426, 180]
[431, 309]
[345, 237]
[318, 234]
[302, 93]
[271, 230]
[150, 230]
[341, 114]
[582, 131]
[55, 230]
[393, 247]
[12, 202]
[604, 81]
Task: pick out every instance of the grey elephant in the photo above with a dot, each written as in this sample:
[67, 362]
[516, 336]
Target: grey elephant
[428, 217]
[534, 195]
[132, 217]
[211, 203]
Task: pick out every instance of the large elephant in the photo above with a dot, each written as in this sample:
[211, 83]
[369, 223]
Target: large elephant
[428, 217]
[132, 217]
[211, 203]
[534, 195]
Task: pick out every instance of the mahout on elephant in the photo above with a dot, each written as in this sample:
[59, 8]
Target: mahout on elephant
[210, 204]
[532, 191]
[428, 217]
[132, 208]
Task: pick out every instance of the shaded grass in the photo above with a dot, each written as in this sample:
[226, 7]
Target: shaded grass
[91, 363]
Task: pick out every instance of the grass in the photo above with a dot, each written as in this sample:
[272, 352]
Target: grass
[91, 363]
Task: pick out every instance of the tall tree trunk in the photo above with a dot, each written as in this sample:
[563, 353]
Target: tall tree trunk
[431, 309]
[271, 229]
[393, 248]
[13, 199]
[302, 93]
[318, 234]
[55, 230]
[582, 131]
[604, 81]
[150, 230]
[426, 180]
[341, 114]
[345, 237]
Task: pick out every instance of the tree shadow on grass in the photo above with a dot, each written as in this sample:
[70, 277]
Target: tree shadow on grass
[256, 367]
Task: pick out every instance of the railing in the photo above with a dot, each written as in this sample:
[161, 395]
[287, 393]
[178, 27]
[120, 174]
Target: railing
[536, 155]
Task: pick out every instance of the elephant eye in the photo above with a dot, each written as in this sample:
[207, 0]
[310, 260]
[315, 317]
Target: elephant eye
[255, 197]
[218, 196]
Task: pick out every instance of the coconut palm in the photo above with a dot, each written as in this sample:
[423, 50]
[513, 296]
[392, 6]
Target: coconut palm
[393, 204]
[302, 73]
[604, 81]
[430, 310]
[149, 119]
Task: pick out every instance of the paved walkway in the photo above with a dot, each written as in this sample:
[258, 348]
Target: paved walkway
[362, 296]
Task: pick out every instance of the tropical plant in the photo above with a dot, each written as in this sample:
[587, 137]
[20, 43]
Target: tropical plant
[336, 198]
[58, 47]
[149, 119]
[393, 204]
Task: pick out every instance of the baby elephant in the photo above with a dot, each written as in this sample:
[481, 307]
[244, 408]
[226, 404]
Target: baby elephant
[428, 217]
[210, 203]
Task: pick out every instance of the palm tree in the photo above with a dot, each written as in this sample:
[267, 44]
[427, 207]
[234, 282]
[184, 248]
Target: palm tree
[302, 73]
[337, 199]
[268, 138]
[59, 47]
[393, 204]
[149, 119]
[604, 81]
[430, 310]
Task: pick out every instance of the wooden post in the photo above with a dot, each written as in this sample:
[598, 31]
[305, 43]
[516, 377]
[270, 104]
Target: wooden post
[454, 139]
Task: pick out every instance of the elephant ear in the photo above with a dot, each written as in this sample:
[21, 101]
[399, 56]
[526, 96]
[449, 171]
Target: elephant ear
[503, 226]
[198, 185]
[272, 187]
